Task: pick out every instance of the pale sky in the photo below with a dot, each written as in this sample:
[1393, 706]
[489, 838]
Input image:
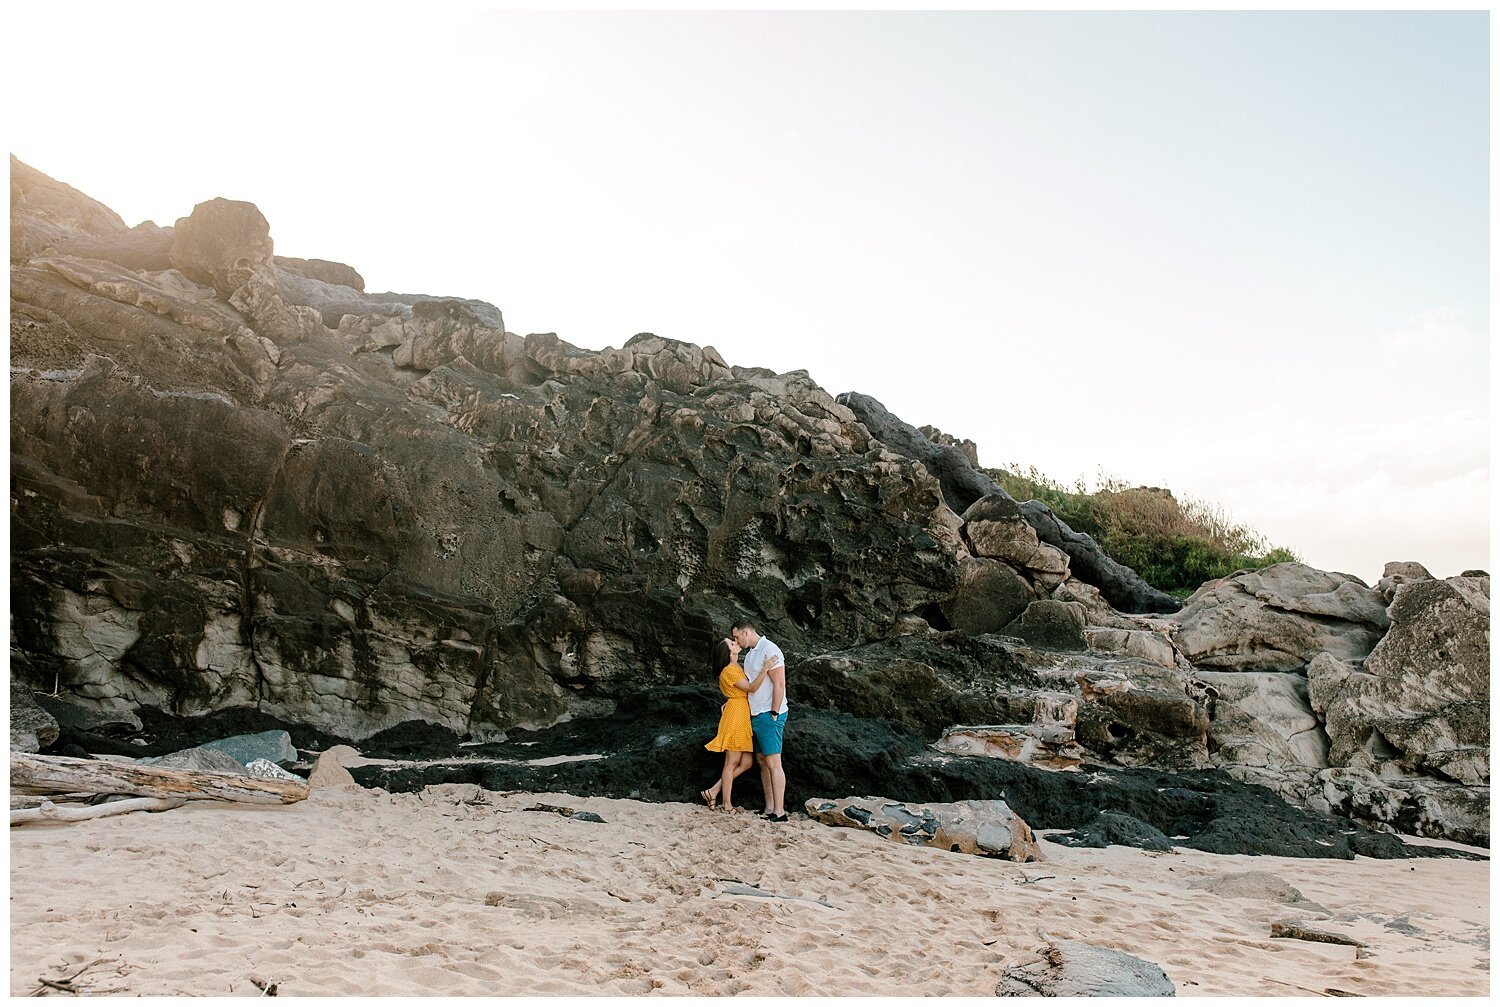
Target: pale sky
[1243, 256]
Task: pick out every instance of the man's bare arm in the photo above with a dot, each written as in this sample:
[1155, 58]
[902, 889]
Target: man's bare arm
[778, 688]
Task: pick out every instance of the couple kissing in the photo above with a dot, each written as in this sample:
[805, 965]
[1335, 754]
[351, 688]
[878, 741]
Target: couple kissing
[752, 676]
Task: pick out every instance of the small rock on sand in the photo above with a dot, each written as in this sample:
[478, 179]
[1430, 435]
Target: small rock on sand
[329, 771]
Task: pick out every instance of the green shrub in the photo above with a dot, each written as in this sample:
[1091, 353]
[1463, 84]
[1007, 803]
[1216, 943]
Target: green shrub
[1175, 545]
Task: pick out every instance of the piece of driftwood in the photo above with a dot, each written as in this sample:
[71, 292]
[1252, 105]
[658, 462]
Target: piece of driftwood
[57, 774]
[50, 812]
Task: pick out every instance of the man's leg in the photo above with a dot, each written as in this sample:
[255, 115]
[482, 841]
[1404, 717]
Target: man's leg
[778, 783]
[766, 782]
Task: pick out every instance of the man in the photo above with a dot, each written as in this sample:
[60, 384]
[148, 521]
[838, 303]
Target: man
[768, 713]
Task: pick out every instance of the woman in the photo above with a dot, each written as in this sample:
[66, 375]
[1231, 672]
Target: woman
[734, 738]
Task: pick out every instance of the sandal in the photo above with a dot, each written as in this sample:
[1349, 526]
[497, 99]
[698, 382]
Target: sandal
[709, 799]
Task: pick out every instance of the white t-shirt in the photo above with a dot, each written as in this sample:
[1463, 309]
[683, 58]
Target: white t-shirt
[752, 660]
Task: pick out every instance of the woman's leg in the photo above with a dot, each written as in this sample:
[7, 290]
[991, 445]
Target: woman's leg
[710, 796]
[726, 778]
[746, 761]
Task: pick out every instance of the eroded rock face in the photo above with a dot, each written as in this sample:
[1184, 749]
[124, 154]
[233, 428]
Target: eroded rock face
[239, 482]
[985, 828]
[1279, 619]
[1425, 688]
[1410, 730]
[1399, 738]
[1264, 720]
[1419, 806]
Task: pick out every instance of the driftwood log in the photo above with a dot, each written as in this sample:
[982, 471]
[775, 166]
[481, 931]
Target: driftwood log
[50, 812]
[56, 774]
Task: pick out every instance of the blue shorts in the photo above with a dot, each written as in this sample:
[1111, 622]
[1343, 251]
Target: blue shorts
[768, 733]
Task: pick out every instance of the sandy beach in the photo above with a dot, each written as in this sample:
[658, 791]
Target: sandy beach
[459, 891]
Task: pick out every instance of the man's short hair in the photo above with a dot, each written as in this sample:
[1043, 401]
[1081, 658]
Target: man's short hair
[741, 624]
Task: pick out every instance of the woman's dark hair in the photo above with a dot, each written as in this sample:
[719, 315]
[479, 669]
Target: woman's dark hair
[719, 656]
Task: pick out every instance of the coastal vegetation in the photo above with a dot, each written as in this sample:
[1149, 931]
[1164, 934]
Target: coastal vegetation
[1175, 544]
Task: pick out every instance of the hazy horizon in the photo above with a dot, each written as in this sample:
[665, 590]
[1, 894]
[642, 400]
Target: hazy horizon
[1241, 256]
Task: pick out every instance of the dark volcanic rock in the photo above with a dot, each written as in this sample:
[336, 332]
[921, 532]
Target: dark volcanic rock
[1114, 829]
[651, 748]
[925, 682]
[413, 739]
[163, 733]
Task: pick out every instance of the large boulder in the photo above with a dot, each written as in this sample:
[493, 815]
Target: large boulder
[272, 746]
[221, 243]
[985, 828]
[31, 727]
[1422, 702]
[996, 528]
[1279, 619]
[990, 595]
[1050, 625]
[1076, 969]
[200, 760]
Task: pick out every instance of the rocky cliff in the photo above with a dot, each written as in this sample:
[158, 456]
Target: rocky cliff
[240, 480]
